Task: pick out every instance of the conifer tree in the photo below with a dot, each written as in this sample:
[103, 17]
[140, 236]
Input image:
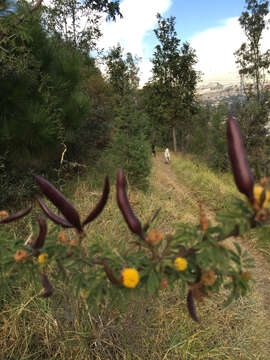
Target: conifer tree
[129, 146]
[174, 76]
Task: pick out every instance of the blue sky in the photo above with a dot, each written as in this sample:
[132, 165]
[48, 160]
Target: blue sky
[195, 16]
[211, 27]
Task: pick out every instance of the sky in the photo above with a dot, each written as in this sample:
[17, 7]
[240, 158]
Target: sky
[210, 26]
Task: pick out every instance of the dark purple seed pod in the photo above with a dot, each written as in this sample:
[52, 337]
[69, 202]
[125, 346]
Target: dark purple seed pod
[191, 306]
[58, 199]
[124, 205]
[38, 244]
[16, 216]
[242, 174]
[48, 289]
[54, 217]
[100, 206]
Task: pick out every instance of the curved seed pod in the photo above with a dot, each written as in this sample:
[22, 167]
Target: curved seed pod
[124, 205]
[47, 286]
[58, 199]
[191, 306]
[237, 153]
[51, 215]
[102, 202]
[16, 216]
[42, 234]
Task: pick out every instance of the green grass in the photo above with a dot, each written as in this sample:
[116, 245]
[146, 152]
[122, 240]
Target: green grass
[217, 191]
[152, 328]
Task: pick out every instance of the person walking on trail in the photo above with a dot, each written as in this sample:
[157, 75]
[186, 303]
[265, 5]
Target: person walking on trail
[154, 150]
[167, 156]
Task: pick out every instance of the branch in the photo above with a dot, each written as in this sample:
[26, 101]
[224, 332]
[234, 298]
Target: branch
[236, 231]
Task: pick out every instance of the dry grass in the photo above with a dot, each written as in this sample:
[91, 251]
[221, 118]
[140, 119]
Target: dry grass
[152, 328]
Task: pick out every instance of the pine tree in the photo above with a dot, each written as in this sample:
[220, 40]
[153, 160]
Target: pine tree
[129, 146]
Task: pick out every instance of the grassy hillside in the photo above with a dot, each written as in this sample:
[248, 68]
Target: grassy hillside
[217, 191]
[61, 327]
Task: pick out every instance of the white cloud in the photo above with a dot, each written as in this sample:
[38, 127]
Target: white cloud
[139, 17]
[215, 48]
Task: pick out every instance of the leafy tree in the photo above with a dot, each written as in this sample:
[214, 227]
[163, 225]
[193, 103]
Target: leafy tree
[251, 60]
[152, 103]
[253, 112]
[199, 138]
[77, 22]
[122, 72]
[174, 75]
[94, 134]
[253, 119]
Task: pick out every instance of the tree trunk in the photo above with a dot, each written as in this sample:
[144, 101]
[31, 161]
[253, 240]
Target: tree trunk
[182, 141]
[174, 139]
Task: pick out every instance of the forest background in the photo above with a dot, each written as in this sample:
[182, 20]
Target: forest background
[60, 114]
[62, 118]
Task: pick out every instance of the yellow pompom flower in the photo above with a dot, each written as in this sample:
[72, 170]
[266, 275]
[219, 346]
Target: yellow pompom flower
[130, 277]
[180, 263]
[43, 258]
[257, 191]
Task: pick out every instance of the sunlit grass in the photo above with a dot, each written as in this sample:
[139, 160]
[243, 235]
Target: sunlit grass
[216, 190]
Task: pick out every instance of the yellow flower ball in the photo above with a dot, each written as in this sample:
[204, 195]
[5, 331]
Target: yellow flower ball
[257, 191]
[43, 258]
[180, 263]
[130, 277]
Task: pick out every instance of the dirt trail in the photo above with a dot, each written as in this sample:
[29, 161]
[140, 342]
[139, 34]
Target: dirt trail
[165, 179]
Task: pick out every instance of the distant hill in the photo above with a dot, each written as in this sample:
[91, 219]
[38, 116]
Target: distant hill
[211, 86]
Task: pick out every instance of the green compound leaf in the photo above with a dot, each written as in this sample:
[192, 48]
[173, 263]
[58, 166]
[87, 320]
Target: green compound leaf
[153, 282]
[238, 248]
